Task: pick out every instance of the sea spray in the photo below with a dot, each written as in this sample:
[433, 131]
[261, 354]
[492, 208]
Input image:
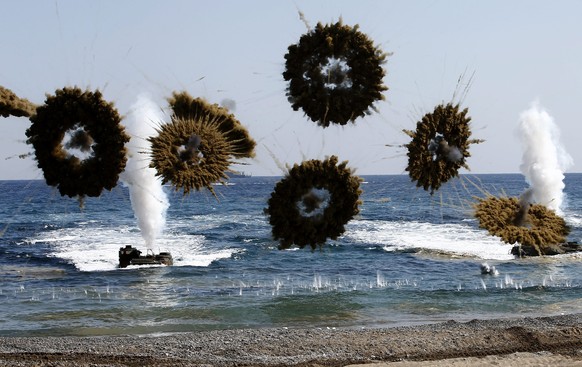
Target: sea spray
[148, 199]
[544, 158]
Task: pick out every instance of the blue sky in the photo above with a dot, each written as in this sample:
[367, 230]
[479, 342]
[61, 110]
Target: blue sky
[517, 52]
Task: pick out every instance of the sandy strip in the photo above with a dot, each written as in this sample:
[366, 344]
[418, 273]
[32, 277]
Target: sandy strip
[540, 359]
[555, 341]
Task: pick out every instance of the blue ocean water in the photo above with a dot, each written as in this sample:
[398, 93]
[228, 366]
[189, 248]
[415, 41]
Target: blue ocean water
[407, 258]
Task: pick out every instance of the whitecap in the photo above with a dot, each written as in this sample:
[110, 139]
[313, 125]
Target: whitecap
[456, 239]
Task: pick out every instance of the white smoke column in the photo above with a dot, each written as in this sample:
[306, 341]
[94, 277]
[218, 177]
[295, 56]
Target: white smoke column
[148, 199]
[544, 159]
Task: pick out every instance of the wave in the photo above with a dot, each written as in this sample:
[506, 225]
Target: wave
[455, 239]
[96, 249]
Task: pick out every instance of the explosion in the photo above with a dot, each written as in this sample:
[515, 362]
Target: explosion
[196, 148]
[537, 228]
[12, 105]
[518, 221]
[439, 146]
[335, 74]
[94, 127]
[313, 202]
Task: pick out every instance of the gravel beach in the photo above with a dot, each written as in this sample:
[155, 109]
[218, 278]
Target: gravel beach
[540, 341]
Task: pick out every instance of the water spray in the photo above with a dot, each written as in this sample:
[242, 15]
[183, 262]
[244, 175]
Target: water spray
[148, 198]
[544, 158]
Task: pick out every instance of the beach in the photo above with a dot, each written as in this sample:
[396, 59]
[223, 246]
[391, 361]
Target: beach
[555, 341]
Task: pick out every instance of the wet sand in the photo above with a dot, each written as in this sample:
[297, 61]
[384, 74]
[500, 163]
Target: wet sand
[523, 342]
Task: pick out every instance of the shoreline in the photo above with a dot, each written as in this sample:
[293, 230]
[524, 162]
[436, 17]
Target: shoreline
[553, 338]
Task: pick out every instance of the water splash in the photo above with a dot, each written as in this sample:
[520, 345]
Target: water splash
[148, 199]
[544, 158]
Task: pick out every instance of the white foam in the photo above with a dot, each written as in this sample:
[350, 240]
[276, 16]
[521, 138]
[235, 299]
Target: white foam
[573, 218]
[96, 249]
[457, 239]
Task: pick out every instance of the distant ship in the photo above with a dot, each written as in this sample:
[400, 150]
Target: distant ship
[238, 174]
[230, 176]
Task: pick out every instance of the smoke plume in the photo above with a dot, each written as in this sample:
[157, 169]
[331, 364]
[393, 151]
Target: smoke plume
[544, 159]
[525, 200]
[148, 199]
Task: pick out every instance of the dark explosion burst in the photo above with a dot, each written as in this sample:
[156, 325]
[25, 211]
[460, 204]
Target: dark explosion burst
[12, 105]
[197, 147]
[335, 74]
[313, 202]
[95, 126]
[531, 225]
[439, 146]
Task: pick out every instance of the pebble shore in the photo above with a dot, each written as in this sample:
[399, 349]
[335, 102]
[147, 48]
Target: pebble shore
[561, 335]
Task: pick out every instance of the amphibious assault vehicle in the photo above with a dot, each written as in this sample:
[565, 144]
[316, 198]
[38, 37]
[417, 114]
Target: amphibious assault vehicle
[129, 255]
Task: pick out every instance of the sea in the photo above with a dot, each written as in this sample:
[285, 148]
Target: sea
[407, 258]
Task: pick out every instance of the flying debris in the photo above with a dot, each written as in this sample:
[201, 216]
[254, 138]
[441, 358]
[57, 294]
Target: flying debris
[487, 269]
[313, 202]
[439, 146]
[12, 105]
[196, 148]
[335, 74]
[533, 228]
[94, 127]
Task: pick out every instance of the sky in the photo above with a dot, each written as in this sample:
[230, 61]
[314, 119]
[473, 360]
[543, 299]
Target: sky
[494, 57]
